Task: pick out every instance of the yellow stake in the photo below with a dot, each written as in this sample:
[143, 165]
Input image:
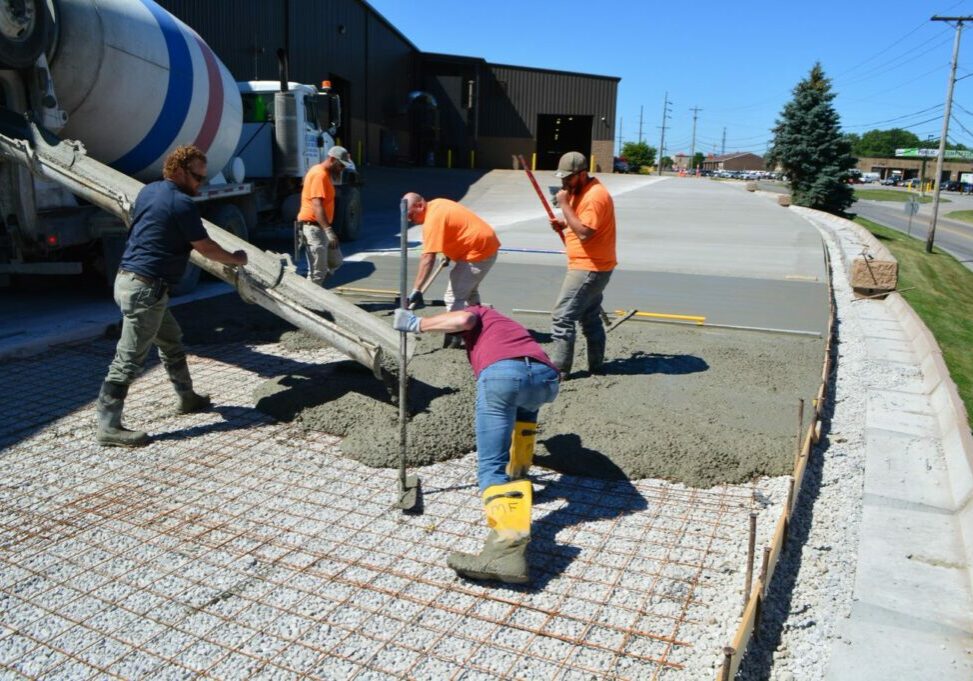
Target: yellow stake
[661, 315]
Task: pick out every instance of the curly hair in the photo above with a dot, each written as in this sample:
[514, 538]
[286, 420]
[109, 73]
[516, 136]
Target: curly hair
[181, 157]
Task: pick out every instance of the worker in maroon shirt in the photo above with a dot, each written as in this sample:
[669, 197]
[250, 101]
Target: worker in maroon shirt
[514, 377]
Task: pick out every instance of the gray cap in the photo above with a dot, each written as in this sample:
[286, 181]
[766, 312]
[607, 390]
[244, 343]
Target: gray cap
[571, 163]
[341, 154]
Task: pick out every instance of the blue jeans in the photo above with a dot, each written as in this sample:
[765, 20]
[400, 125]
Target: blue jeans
[580, 301]
[507, 391]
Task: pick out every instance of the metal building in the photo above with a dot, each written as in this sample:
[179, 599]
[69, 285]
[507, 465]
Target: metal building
[401, 105]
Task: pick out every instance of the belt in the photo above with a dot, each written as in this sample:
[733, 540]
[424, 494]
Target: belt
[161, 283]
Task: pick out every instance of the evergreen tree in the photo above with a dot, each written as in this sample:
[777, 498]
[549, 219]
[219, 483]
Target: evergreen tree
[810, 148]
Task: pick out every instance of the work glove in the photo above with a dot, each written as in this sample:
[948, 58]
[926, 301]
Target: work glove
[405, 321]
[415, 300]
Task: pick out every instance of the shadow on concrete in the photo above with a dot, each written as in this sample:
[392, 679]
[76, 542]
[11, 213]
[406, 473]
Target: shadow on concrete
[655, 363]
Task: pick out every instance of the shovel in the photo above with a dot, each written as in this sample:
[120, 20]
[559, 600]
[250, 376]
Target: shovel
[408, 484]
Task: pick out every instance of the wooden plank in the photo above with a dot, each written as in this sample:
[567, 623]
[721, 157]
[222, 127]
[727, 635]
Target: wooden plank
[776, 546]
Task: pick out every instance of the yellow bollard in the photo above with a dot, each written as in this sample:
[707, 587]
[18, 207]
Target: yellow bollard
[591, 164]
[472, 159]
[359, 153]
[533, 161]
[449, 158]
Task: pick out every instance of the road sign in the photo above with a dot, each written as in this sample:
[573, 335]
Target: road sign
[913, 152]
[911, 207]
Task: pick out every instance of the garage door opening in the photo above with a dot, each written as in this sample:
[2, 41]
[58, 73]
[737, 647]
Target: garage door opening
[558, 134]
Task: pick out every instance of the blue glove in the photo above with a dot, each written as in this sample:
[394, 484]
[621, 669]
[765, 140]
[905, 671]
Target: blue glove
[405, 321]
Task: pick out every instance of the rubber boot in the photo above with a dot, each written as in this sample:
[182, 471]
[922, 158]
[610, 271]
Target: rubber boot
[504, 554]
[562, 356]
[453, 341]
[188, 400]
[596, 356]
[110, 431]
[521, 449]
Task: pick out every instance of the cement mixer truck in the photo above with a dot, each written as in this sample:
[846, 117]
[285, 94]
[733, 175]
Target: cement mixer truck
[130, 82]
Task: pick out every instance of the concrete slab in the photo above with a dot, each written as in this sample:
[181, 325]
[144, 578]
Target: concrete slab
[895, 462]
[899, 412]
[889, 350]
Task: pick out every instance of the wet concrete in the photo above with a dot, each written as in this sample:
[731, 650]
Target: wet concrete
[689, 404]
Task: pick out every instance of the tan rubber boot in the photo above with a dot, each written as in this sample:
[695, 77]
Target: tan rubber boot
[110, 431]
[504, 554]
[522, 449]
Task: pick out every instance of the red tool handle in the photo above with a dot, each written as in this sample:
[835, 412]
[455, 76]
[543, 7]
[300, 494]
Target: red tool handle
[540, 193]
[537, 187]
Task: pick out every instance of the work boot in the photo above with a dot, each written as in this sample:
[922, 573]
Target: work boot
[596, 356]
[110, 431]
[521, 449]
[453, 341]
[504, 553]
[189, 401]
[562, 356]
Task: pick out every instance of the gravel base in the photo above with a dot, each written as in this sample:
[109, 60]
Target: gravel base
[811, 592]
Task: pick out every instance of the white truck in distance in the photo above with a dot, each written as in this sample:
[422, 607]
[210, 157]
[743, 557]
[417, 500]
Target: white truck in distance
[131, 82]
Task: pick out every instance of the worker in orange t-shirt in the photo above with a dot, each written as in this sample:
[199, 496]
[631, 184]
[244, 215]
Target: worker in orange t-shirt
[316, 216]
[460, 235]
[588, 230]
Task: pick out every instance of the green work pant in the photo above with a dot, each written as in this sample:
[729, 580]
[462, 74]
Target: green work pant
[145, 320]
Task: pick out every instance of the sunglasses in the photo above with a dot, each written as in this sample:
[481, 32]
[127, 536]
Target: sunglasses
[196, 176]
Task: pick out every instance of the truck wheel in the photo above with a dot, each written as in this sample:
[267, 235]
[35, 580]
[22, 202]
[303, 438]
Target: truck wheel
[347, 212]
[24, 30]
[229, 218]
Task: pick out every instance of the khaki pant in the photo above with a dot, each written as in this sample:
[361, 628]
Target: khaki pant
[146, 319]
[464, 283]
[322, 260]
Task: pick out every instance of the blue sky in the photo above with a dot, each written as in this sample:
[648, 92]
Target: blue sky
[738, 62]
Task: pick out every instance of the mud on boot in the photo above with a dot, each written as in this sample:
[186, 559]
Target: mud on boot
[110, 432]
[596, 356]
[190, 401]
[504, 554]
[562, 356]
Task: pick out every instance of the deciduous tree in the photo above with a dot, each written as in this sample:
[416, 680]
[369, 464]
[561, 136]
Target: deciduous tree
[638, 154]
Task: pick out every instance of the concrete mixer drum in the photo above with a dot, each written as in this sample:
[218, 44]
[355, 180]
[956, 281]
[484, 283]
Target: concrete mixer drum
[25, 31]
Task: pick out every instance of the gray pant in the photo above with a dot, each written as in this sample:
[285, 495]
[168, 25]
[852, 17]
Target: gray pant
[464, 283]
[145, 320]
[580, 301]
[322, 260]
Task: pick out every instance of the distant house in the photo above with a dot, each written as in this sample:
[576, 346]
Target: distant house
[738, 160]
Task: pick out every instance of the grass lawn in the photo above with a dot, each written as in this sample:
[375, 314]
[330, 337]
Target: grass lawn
[942, 297]
[893, 195]
[964, 215]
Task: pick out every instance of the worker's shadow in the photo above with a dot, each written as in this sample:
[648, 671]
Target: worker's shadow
[296, 392]
[592, 488]
[231, 421]
[654, 363]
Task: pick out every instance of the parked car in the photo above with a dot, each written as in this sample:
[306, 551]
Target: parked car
[620, 165]
[890, 182]
[913, 183]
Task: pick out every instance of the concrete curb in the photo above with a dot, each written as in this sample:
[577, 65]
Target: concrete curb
[950, 412]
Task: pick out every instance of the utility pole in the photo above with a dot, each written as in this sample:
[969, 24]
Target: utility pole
[640, 124]
[692, 152]
[942, 139]
[662, 142]
[723, 148]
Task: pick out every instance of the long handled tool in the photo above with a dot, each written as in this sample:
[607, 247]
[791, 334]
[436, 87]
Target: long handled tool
[408, 484]
[431, 278]
[540, 192]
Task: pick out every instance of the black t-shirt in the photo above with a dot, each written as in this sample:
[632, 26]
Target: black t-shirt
[166, 221]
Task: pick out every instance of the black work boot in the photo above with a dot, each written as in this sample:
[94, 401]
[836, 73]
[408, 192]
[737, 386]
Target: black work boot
[110, 431]
[189, 401]
[596, 356]
[453, 341]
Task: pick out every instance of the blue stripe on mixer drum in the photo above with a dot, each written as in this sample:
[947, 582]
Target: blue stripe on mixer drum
[176, 104]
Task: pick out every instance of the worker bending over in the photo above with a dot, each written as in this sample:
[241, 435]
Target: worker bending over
[462, 236]
[514, 377]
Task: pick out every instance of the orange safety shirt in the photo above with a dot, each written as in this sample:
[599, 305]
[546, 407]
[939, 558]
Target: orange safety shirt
[457, 232]
[317, 185]
[595, 209]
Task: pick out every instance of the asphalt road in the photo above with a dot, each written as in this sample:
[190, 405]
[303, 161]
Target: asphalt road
[953, 236]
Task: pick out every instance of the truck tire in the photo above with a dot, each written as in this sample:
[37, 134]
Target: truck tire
[25, 27]
[347, 212]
